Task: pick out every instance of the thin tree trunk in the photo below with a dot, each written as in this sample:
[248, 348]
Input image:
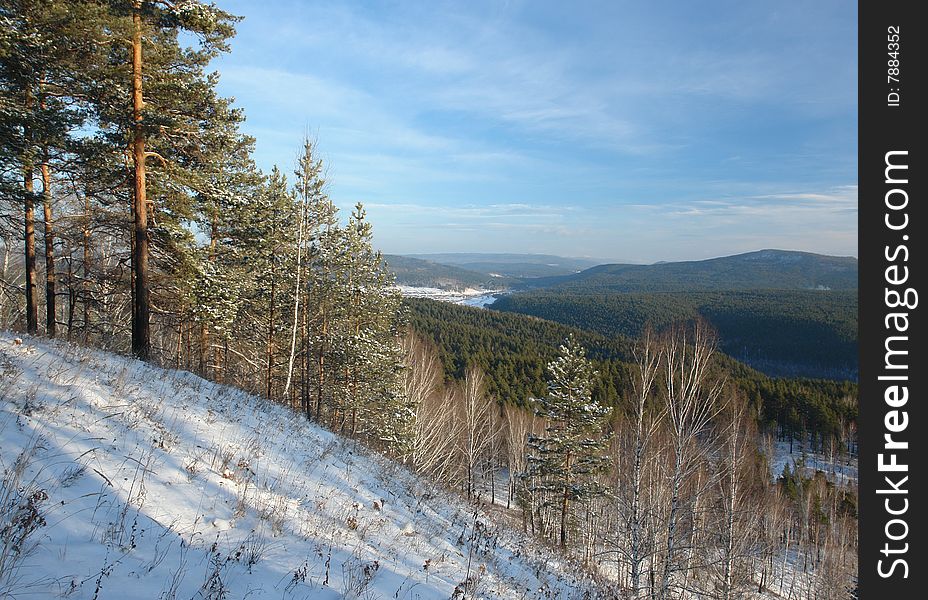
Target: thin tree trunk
[188, 355]
[320, 366]
[354, 376]
[85, 289]
[647, 357]
[4, 321]
[224, 373]
[50, 308]
[671, 547]
[304, 362]
[72, 292]
[565, 502]
[179, 350]
[141, 332]
[637, 560]
[270, 339]
[32, 310]
[204, 344]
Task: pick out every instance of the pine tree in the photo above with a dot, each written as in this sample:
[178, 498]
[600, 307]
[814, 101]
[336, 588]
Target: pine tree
[324, 247]
[368, 356]
[227, 186]
[157, 96]
[563, 462]
[42, 45]
[269, 255]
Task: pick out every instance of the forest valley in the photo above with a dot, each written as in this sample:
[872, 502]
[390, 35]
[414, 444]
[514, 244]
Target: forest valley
[163, 239]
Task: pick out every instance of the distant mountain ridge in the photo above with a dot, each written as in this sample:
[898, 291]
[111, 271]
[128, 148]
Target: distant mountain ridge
[760, 270]
[424, 273]
[521, 266]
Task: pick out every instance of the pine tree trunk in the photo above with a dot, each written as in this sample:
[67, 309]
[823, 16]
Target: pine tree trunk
[85, 290]
[178, 351]
[224, 373]
[320, 366]
[50, 308]
[204, 344]
[212, 352]
[353, 389]
[32, 310]
[141, 332]
[269, 377]
[188, 345]
[72, 291]
[4, 311]
[304, 361]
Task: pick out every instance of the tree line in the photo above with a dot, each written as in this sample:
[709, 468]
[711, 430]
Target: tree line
[160, 235]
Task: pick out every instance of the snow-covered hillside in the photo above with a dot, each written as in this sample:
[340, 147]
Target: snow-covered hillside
[121, 480]
[468, 297]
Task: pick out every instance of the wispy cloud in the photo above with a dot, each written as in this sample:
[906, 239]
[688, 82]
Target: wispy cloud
[480, 212]
[795, 206]
[658, 124]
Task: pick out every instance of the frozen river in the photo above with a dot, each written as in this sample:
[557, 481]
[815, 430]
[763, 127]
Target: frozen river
[470, 297]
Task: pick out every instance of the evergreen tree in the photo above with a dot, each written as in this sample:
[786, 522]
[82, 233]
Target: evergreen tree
[270, 257]
[368, 357]
[156, 99]
[564, 461]
[324, 248]
[44, 46]
[227, 188]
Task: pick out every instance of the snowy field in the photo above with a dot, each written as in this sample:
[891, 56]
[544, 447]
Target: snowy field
[123, 481]
[468, 297]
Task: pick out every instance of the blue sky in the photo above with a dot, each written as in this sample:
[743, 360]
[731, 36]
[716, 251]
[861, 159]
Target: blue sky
[632, 131]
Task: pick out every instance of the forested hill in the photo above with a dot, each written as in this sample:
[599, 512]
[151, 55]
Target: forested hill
[521, 266]
[764, 269]
[425, 273]
[785, 313]
[513, 350]
[810, 333]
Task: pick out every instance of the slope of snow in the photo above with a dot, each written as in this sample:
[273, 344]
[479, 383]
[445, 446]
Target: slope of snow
[122, 480]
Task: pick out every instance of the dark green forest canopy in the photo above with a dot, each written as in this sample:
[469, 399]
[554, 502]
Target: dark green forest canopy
[513, 350]
[761, 270]
[781, 332]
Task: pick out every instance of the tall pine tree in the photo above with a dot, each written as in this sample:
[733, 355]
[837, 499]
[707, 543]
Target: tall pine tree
[155, 99]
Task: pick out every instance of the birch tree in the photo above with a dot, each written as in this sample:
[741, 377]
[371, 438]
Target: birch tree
[692, 401]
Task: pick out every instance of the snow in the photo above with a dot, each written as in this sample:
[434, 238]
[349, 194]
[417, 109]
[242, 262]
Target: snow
[163, 485]
[468, 297]
[839, 468]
